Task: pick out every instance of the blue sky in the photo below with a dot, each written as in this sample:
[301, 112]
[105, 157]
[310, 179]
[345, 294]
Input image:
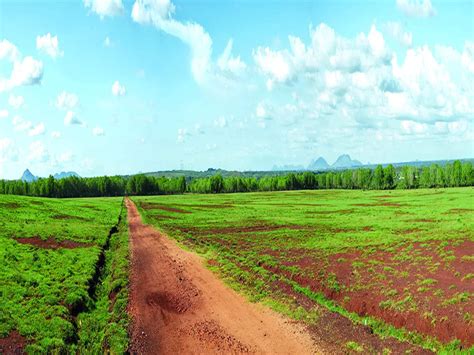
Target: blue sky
[118, 87]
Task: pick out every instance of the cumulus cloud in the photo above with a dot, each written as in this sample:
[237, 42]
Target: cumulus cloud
[396, 30]
[26, 71]
[412, 127]
[20, 124]
[66, 101]
[363, 82]
[49, 45]
[37, 130]
[159, 13]
[16, 101]
[72, 119]
[416, 8]
[105, 8]
[228, 63]
[118, 89]
[98, 131]
[4, 113]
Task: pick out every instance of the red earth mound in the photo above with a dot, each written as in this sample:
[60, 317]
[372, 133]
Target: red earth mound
[52, 243]
[14, 343]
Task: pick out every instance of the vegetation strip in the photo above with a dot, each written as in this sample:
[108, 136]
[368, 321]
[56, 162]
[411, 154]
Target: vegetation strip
[69, 293]
[454, 174]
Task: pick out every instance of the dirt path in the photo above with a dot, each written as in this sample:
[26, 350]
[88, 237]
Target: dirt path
[180, 307]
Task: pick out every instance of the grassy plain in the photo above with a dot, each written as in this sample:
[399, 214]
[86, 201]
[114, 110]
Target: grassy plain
[64, 274]
[398, 262]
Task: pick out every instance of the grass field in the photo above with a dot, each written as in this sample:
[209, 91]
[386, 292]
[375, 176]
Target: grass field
[400, 262]
[64, 274]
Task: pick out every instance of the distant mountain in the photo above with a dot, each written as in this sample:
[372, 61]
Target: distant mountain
[28, 176]
[65, 174]
[318, 164]
[345, 161]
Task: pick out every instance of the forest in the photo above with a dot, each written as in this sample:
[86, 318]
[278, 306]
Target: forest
[454, 174]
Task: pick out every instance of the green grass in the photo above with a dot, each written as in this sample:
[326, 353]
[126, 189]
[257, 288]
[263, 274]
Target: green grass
[302, 238]
[46, 294]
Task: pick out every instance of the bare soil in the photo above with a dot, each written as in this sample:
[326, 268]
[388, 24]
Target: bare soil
[14, 343]
[435, 309]
[180, 307]
[52, 243]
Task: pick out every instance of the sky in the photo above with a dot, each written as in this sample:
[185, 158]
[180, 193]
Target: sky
[120, 87]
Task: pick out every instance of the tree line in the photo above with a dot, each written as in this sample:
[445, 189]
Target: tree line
[380, 178]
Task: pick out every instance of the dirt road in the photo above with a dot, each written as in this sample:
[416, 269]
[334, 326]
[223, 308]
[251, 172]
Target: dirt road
[180, 307]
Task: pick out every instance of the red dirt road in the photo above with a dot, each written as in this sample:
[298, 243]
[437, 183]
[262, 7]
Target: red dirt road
[180, 307]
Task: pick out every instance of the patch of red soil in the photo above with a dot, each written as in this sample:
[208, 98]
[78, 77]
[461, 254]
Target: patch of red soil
[409, 231]
[396, 286]
[460, 210]
[381, 203]
[14, 343]
[156, 206]
[52, 243]
[67, 217]
[242, 229]
[162, 217]
[346, 211]
[209, 331]
[10, 205]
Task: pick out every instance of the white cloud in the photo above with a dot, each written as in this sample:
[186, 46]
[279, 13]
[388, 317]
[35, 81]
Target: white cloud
[228, 63]
[220, 122]
[118, 89]
[71, 119]
[416, 8]
[396, 30]
[38, 152]
[21, 124]
[66, 100]
[105, 7]
[37, 130]
[159, 13]
[3, 113]
[26, 71]
[49, 45]
[98, 131]
[261, 111]
[272, 64]
[16, 101]
[56, 134]
[412, 127]
[9, 51]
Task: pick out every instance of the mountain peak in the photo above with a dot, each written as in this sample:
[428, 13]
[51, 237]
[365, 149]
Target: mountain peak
[28, 176]
[345, 161]
[318, 164]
